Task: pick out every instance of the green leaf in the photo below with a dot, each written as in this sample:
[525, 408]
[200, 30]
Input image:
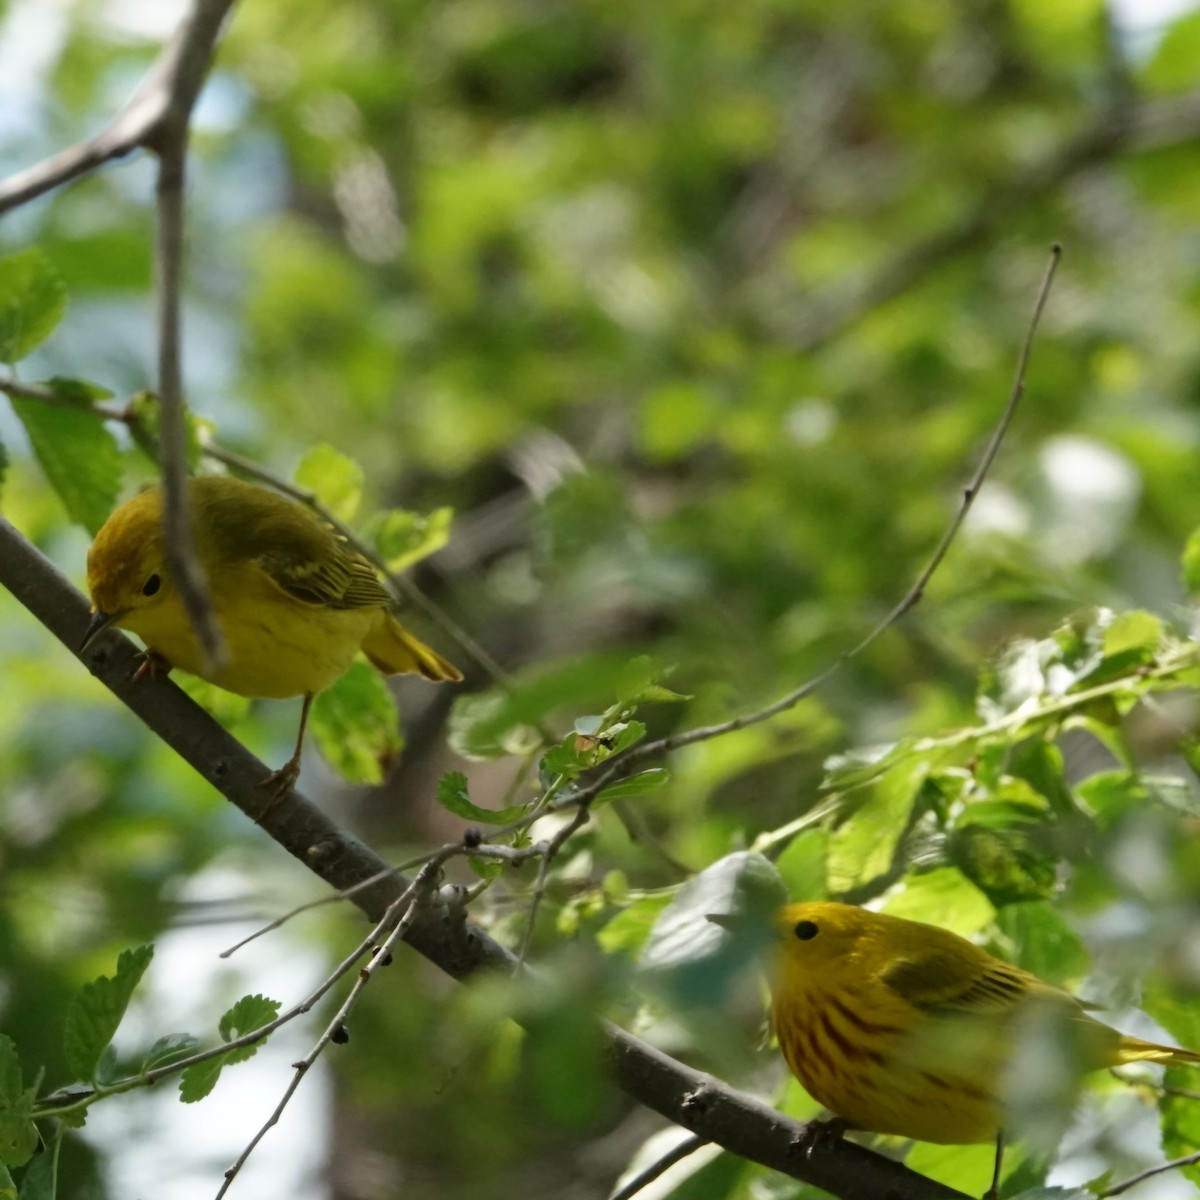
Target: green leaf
[401, 537]
[634, 785]
[495, 723]
[942, 897]
[333, 478]
[33, 299]
[1007, 846]
[802, 864]
[452, 795]
[80, 458]
[8, 1189]
[18, 1134]
[40, 1181]
[357, 726]
[863, 847]
[248, 1014]
[96, 1011]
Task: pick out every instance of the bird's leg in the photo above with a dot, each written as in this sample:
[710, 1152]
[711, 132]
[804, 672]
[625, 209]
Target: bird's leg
[993, 1193]
[151, 665]
[280, 782]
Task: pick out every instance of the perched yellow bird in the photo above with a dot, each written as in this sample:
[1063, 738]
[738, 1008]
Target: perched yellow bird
[900, 1027]
[294, 600]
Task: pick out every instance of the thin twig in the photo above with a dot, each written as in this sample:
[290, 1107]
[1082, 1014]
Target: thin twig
[1187, 1160]
[180, 546]
[409, 901]
[678, 1152]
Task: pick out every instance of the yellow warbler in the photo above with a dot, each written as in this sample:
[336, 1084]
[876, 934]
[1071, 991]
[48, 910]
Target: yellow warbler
[294, 600]
[900, 1027]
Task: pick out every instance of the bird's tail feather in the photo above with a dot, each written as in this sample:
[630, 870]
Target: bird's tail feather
[394, 651]
[1134, 1049]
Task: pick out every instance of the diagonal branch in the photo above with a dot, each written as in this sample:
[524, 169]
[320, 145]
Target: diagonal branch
[698, 1102]
[160, 106]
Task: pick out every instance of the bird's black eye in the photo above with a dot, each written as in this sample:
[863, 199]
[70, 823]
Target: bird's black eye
[151, 585]
[806, 930]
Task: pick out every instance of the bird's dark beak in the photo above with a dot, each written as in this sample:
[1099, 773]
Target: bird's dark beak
[97, 625]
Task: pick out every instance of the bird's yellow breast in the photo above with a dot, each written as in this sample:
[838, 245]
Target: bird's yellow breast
[277, 646]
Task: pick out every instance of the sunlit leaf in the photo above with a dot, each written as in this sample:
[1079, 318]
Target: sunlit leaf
[335, 479]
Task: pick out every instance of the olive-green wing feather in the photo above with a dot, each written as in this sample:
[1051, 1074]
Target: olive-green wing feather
[339, 578]
[297, 551]
[947, 982]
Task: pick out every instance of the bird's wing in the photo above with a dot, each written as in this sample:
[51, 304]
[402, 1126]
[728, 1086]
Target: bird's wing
[936, 981]
[334, 577]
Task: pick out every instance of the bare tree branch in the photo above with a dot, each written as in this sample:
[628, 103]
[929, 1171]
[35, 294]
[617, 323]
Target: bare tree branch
[699, 1103]
[161, 104]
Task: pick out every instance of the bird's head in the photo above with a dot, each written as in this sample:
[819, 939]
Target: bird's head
[126, 565]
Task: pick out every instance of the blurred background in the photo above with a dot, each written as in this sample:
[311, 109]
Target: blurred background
[698, 316]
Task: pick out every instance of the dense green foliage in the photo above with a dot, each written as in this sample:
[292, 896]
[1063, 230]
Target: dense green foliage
[658, 341]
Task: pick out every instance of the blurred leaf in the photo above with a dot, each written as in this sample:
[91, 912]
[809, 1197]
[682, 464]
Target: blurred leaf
[335, 479]
[80, 458]
[628, 930]
[33, 299]
[18, 1134]
[696, 961]
[82, 392]
[803, 864]
[635, 785]
[248, 1014]
[452, 795]
[1175, 65]
[1191, 563]
[863, 846]
[357, 726]
[1044, 943]
[402, 538]
[97, 1009]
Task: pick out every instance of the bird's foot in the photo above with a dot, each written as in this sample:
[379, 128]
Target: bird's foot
[151, 665]
[279, 784]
